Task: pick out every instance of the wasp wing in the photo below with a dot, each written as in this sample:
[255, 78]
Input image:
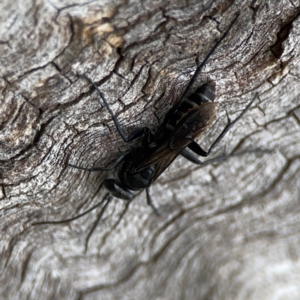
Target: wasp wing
[191, 125]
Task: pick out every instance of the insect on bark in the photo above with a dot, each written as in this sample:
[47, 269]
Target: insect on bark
[140, 166]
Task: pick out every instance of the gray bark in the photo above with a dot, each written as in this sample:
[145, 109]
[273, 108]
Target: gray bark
[225, 231]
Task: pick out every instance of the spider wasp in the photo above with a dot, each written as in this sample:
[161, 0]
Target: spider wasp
[140, 166]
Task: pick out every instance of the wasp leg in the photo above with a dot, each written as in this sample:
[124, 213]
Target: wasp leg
[106, 198]
[189, 156]
[134, 135]
[229, 125]
[197, 149]
[150, 202]
[199, 67]
[113, 166]
[192, 158]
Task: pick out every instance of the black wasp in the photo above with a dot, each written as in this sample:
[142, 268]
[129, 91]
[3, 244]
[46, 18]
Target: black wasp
[140, 166]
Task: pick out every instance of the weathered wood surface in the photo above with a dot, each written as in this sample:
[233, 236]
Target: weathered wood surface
[226, 231]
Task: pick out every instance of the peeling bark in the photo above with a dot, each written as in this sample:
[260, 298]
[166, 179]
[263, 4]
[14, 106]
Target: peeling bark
[225, 231]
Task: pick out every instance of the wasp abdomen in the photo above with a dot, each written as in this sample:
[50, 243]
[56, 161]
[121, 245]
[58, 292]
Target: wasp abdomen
[205, 93]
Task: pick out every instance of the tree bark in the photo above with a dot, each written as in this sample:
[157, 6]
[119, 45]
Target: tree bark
[224, 231]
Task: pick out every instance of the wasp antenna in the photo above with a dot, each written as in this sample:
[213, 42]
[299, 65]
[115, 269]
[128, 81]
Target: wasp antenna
[119, 160]
[106, 198]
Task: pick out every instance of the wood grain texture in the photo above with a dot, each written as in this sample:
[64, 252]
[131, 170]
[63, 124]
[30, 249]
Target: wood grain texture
[225, 231]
